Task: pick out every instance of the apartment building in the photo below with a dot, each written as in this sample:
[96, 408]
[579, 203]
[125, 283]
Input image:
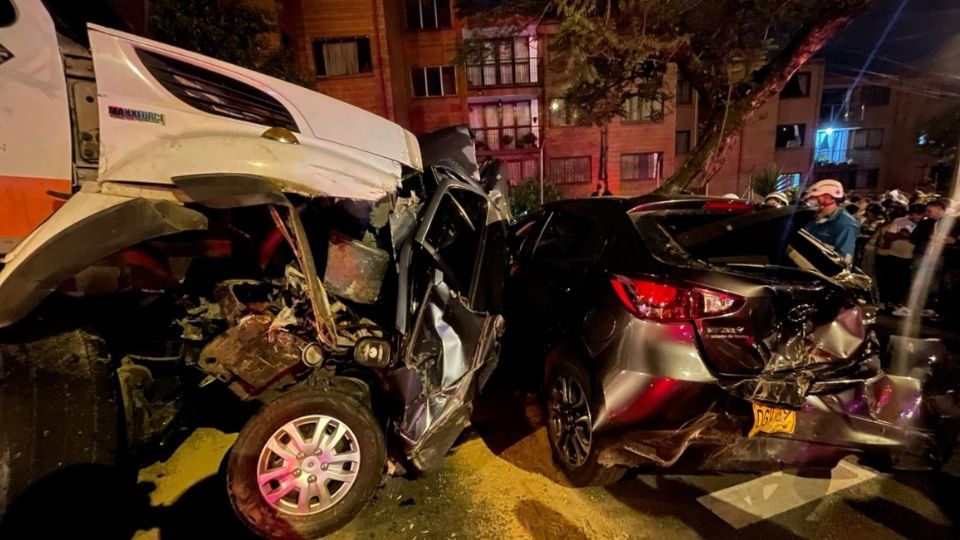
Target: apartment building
[398, 59]
[780, 134]
[868, 136]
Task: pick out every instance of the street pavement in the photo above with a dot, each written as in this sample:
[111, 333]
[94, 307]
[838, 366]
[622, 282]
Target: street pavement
[500, 483]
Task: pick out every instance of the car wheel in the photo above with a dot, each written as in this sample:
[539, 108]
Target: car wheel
[569, 426]
[60, 426]
[305, 465]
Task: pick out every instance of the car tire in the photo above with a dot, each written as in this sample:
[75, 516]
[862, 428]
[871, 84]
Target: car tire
[59, 411]
[577, 460]
[347, 426]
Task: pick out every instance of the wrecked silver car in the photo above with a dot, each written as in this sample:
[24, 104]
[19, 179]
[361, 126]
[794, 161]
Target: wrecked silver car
[247, 233]
[713, 334]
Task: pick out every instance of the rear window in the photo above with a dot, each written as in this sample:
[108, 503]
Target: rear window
[762, 237]
[569, 237]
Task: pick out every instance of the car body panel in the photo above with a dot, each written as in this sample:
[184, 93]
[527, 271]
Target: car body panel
[650, 374]
[35, 145]
[89, 227]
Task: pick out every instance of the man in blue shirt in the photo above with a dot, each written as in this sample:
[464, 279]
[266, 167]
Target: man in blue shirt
[833, 225]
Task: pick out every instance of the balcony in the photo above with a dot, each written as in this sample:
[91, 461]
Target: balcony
[507, 138]
[493, 73]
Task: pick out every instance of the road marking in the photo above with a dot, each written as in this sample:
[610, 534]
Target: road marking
[767, 496]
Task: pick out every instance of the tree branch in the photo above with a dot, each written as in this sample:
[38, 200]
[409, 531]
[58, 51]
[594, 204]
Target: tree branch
[706, 160]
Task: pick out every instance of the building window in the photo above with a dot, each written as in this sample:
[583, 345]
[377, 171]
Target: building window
[865, 139]
[434, 81]
[868, 178]
[646, 166]
[571, 170]
[520, 171]
[833, 107]
[872, 95]
[791, 135]
[342, 56]
[684, 92]
[798, 86]
[561, 114]
[505, 125]
[428, 14]
[683, 142]
[832, 145]
[643, 110]
[788, 181]
[503, 62]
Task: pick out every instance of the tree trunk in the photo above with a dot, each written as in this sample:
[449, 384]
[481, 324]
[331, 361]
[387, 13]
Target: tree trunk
[706, 159]
[602, 173]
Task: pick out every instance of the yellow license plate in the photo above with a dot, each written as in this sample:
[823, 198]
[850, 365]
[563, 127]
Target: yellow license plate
[772, 420]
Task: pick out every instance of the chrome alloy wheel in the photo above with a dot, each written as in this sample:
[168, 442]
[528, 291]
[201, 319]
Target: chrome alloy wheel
[308, 465]
[570, 420]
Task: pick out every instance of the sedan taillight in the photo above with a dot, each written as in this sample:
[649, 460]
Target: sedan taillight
[665, 302]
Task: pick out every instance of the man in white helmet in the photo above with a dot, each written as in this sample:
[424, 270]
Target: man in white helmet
[776, 200]
[833, 225]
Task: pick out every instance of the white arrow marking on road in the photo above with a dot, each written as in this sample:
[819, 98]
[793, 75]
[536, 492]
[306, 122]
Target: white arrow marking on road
[773, 494]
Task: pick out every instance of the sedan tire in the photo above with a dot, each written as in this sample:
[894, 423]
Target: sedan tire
[569, 426]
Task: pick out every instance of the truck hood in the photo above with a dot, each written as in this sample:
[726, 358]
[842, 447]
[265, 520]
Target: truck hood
[166, 112]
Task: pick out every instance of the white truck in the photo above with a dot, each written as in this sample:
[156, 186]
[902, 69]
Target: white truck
[217, 227]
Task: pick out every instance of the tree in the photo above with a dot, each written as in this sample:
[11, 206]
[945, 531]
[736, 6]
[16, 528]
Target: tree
[938, 136]
[766, 181]
[736, 54]
[229, 30]
[525, 196]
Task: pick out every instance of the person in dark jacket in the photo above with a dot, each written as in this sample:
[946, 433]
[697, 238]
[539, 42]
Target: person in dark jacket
[602, 190]
[925, 230]
[921, 237]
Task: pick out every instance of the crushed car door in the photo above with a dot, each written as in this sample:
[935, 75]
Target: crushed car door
[456, 277]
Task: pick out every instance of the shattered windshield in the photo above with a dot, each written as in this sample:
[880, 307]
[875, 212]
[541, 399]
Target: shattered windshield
[764, 238]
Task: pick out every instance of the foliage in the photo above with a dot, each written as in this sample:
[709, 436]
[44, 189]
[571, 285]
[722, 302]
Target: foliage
[940, 135]
[525, 196]
[766, 181]
[736, 54]
[281, 64]
[229, 30]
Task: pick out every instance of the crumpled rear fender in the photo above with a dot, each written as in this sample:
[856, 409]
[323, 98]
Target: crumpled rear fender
[89, 227]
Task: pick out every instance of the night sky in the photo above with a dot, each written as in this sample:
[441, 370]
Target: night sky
[923, 43]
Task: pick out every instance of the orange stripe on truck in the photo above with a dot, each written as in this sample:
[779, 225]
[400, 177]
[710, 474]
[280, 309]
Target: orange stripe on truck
[24, 203]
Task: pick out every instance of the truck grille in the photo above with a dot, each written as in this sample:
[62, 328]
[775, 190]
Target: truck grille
[215, 93]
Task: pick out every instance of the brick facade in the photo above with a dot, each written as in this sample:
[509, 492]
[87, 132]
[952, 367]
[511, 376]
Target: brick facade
[388, 90]
[757, 149]
[891, 158]
[303, 21]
